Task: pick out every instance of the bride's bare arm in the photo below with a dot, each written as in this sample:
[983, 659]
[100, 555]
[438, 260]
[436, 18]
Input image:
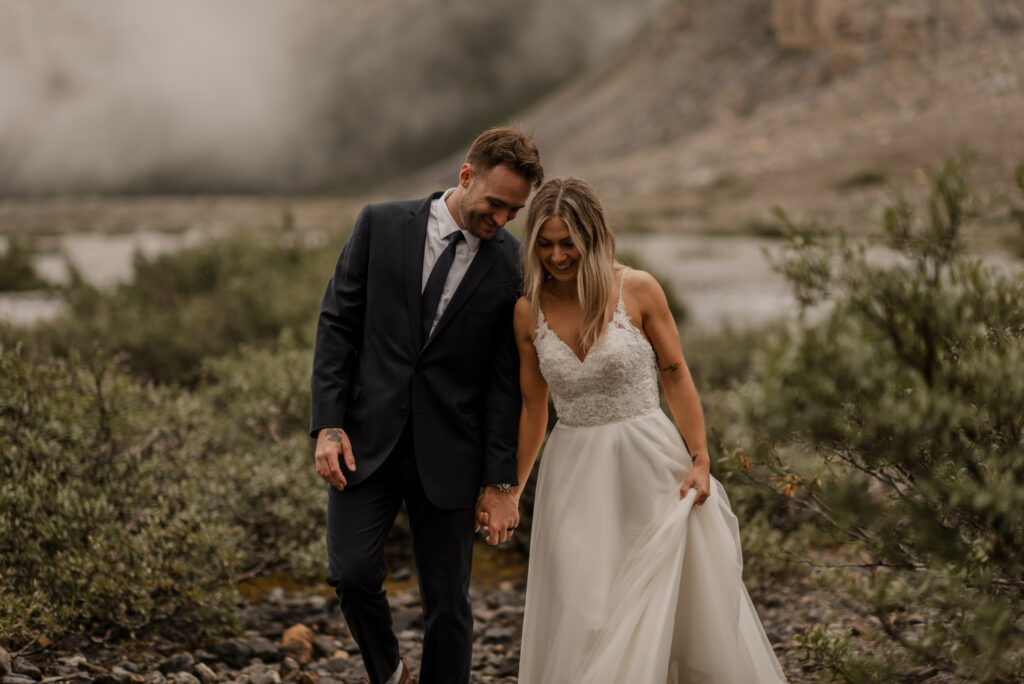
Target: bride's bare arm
[533, 419]
[660, 328]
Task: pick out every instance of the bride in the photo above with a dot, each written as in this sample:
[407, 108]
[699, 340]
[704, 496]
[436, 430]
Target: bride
[635, 566]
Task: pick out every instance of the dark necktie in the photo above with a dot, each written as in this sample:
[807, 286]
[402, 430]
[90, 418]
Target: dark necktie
[435, 283]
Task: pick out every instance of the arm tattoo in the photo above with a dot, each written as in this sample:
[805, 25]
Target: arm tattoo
[671, 369]
[334, 434]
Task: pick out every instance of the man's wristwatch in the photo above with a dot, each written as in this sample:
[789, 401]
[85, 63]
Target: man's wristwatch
[503, 487]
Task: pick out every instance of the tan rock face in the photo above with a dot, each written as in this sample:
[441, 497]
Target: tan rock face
[849, 33]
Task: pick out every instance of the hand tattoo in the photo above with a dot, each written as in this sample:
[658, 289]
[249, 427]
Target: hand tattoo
[334, 434]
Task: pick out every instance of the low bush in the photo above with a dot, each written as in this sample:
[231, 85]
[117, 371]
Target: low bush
[17, 271]
[184, 307]
[897, 422]
[128, 507]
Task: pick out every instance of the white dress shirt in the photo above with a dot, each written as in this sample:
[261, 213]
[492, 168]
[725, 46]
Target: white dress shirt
[440, 225]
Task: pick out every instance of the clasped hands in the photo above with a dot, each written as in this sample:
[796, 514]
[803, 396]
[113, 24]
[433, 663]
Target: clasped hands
[498, 514]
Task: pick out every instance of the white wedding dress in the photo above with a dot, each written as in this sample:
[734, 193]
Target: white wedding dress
[627, 583]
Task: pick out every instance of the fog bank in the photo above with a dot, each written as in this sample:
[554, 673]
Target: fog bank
[263, 95]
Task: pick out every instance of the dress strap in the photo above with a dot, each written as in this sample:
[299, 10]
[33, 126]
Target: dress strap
[621, 306]
[542, 324]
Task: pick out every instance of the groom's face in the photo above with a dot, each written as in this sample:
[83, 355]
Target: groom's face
[490, 199]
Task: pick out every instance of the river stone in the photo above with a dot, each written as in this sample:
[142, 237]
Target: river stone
[203, 672]
[183, 678]
[258, 674]
[234, 653]
[289, 668]
[130, 666]
[325, 645]
[182, 662]
[155, 677]
[264, 649]
[75, 661]
[298, 641]
[17, 679]
[123, 675]
[24, 667]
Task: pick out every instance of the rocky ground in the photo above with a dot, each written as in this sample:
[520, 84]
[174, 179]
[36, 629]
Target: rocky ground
[301, 638]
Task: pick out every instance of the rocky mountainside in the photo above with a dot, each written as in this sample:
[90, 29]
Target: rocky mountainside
[723, 110]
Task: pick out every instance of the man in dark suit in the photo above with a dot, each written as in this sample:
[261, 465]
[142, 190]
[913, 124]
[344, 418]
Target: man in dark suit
[415, 398]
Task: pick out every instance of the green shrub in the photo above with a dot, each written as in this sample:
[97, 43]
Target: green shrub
[897, 421]
[184, 307]
[17, 272]
[131, 507]
[97, 529]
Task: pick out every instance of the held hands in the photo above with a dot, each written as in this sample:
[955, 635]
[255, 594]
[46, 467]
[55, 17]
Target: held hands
[497, 514]
[699, 479]
[331, 445]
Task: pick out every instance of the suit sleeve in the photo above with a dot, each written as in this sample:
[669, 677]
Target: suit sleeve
[340, 329]
[503, 402]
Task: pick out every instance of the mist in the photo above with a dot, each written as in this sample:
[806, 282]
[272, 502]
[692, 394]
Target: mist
[136, 96]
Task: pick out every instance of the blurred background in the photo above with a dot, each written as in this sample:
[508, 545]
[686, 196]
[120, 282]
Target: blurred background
[695, 118]
[176, 180]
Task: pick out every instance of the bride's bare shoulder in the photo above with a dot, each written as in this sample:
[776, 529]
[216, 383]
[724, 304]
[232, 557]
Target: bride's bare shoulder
[640, 284]
[522, 317]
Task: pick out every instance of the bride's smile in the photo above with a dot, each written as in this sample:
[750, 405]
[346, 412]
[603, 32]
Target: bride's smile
[556, 250]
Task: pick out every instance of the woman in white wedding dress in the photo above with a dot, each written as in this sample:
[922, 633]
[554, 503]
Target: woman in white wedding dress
[635, 566]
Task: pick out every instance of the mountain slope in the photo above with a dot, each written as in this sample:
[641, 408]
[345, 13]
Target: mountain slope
[723, 110]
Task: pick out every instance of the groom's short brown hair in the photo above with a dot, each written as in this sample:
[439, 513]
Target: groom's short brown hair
[507, 146]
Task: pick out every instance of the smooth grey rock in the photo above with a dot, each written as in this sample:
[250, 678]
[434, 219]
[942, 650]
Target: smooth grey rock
[325, 645]
[183, 678]
[205, 675]
[17, 679]
[130, 666]
[264, 649]
[235, 653]
[155, 677]
[182, 662]
[75, 661]
[289, 667]
[498, 635]
[25, 667]
[123, 675]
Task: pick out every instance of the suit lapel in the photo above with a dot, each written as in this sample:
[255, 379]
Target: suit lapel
[414, 238]
[478, 268]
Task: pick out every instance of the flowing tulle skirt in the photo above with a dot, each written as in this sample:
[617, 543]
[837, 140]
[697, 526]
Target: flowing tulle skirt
[628, 584]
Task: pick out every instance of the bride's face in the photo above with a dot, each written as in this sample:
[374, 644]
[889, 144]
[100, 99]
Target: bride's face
[556, 250]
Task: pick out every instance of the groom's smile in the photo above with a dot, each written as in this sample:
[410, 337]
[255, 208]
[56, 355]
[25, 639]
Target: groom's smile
[485, 201]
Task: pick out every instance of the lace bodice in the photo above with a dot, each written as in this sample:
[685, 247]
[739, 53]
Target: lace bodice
[617, 380]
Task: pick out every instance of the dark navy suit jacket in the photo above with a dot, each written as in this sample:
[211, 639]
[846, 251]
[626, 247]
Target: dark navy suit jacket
[372, 371]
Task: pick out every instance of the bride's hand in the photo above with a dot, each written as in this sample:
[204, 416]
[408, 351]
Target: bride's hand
[699, 479]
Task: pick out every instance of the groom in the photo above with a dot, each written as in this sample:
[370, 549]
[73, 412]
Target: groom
[415, 398]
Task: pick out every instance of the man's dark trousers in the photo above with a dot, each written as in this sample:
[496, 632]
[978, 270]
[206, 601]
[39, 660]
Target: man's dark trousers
[442, 542]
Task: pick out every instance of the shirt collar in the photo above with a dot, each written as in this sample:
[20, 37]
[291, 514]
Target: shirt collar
[446, 224]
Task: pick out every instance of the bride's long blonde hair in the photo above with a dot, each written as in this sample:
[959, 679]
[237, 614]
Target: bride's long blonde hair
[575, 202]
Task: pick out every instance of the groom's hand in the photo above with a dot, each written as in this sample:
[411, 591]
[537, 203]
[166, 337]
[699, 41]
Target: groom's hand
[498, 513]
[332, 445]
